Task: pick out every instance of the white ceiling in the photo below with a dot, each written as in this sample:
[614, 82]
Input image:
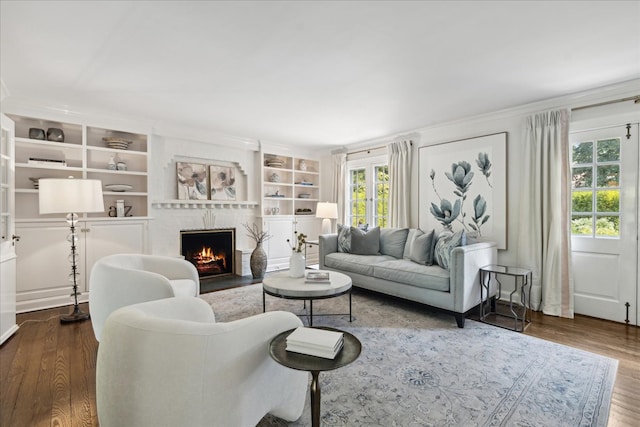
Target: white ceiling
[312, 73]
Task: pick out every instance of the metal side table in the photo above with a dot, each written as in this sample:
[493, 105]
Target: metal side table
[515, 315]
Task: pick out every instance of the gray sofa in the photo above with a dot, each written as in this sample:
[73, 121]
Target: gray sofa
[455, 289]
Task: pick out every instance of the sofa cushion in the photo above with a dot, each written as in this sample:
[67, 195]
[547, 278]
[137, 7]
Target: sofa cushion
[361, 264]
[344, 238]
[365, 242]
[411, 273]
[422, 248]
[392, 241]
[446, 243]
[413, 233]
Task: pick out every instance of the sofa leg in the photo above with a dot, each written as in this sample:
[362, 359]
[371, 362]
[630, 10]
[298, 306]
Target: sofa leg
[460, 320]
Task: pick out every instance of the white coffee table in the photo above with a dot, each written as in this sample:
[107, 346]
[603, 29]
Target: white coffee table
[280, 285]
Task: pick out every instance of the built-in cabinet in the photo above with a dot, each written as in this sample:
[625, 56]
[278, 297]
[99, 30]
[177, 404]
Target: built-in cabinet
[290, 192]
[87, 151]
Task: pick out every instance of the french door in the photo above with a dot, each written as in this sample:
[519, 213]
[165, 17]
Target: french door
[368, 193]
[604, 223]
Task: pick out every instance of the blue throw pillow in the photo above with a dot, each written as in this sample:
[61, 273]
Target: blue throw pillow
[365, 243]
[344, 238]
[445, 244]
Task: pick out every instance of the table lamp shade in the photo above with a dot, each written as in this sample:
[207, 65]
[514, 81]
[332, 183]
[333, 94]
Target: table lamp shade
[69, 195]
[327, 211]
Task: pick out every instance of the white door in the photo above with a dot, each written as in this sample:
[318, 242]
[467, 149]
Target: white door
[604, 223]
[7, 230]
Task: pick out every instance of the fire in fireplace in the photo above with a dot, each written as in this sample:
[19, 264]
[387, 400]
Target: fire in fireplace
[210, 251]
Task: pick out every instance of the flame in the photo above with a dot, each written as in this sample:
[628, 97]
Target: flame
[207, 255]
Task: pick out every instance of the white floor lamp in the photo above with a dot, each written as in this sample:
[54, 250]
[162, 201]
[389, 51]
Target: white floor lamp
[71, 196]
[327, 211]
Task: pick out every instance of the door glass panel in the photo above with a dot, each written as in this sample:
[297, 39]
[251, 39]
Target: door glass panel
[608, 226]
[608, 201]
[582, 225]
[582, 201]
[582, 153]
[608, 176]
[358, 192]
[582, 177]
[608, 150]
[381, 213]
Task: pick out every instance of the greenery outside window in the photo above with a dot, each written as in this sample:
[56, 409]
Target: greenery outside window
[368, 193]
[595, 188]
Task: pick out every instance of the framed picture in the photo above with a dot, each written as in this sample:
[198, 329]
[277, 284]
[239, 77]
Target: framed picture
[223, 182]
[192, 181]
[463, 184]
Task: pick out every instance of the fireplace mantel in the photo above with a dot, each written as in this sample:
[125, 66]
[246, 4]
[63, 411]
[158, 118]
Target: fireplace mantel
[202, 204]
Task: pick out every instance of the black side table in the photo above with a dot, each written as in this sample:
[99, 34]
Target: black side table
[303, 362]
[517, 311]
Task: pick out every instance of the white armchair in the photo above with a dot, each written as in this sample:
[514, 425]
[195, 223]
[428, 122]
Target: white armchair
[167, 363]
[125, 279]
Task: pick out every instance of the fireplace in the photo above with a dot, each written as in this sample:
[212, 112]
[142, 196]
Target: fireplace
[210, 251]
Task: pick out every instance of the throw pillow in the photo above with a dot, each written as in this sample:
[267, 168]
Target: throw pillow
[411, 236]
[446, 244]
[422, 248]
[344, 238]
[392, 241]
[365, 243]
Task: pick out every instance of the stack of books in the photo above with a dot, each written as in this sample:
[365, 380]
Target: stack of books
[47, 162]
[317, 277]
[315, 342]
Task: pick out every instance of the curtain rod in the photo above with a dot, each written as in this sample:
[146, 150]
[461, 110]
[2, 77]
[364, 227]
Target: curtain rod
[635, 99]
[367, 150]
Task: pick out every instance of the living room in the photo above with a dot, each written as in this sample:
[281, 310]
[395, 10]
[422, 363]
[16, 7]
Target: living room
[234, 133]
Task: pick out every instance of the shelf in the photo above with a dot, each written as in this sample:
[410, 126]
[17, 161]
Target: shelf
[115, 150]
[56, 168]
[39, 143]
[202, 204]
[116, 172]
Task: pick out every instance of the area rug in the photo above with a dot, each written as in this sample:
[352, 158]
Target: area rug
[417, 368]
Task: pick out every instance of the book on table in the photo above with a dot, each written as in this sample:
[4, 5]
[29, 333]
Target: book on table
[317, 277]
[315, 342]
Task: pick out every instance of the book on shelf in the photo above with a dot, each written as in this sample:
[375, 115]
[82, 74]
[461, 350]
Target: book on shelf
[317, 277]
[47, 162]
[315, 342]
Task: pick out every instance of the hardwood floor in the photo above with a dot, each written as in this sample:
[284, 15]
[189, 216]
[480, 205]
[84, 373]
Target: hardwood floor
[47, 370]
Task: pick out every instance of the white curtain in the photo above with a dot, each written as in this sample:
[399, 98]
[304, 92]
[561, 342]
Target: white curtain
[400, 184]
[544, 240]
[339, 183]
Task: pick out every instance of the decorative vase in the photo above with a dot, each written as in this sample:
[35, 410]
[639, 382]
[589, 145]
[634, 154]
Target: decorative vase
[258, 262]
[303, 165]
[297, 264]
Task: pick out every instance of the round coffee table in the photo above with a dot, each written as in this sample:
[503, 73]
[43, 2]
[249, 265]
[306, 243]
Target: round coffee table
[302, 362]
[280, 285]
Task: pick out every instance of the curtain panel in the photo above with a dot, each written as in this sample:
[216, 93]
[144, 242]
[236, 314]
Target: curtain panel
[338, 185]
[400, 160]
[544, 238]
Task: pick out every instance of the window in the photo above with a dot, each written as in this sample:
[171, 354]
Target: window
[595, 188]
[368, 192]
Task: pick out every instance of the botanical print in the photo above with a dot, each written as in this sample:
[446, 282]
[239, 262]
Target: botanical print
[192, 181]
[462, 186]
[223, 181]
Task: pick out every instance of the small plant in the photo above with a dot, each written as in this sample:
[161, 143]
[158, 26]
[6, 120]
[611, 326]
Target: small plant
[302, 239]
[257, 235]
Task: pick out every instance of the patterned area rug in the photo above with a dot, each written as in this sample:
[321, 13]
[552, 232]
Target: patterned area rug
[417, 368]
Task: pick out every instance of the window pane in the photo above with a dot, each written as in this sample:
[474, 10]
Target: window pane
[608, 176]
[582, 225]
[582, 201]
[608, 150]
[582, 177]
[608, 226]
[582, 153]
[608, 201]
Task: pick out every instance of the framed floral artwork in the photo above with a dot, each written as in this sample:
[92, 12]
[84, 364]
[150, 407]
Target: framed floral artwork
[223, 182]
[463, 184]
[192, 181]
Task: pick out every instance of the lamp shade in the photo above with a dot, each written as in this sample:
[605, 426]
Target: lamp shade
[70, 195]
[327, 210]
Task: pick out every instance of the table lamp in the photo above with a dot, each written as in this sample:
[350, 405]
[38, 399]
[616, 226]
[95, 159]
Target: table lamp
[71, 196]
[327, 211]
